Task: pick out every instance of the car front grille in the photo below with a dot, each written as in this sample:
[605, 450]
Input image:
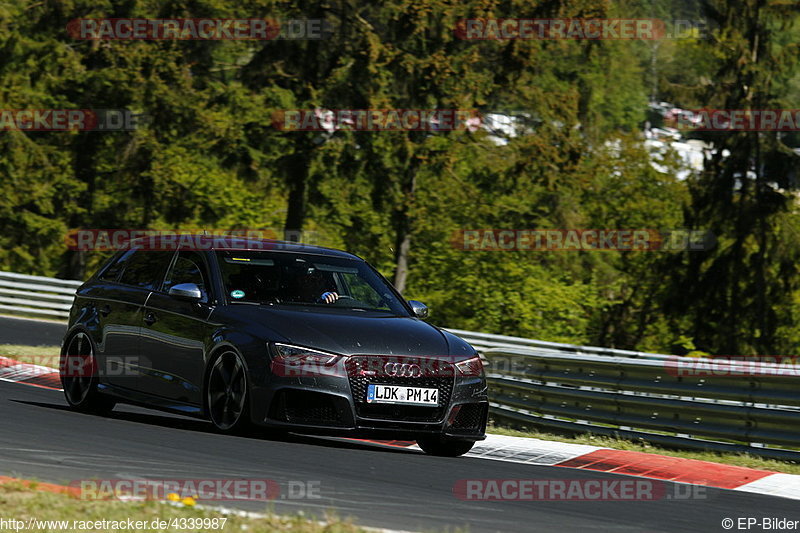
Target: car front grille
[357, 372]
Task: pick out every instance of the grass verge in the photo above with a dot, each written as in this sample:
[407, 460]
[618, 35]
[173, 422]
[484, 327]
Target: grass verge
[38, 355]
[21, 503]
[736, 459]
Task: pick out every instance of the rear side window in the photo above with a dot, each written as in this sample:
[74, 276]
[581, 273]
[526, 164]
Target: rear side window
[111, 272]
[145, 269]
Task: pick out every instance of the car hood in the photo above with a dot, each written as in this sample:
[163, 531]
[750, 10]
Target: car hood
[353, 333]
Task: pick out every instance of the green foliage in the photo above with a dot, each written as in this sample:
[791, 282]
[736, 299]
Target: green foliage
[209, 157]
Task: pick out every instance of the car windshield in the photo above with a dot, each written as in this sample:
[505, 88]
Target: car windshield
[284, 278]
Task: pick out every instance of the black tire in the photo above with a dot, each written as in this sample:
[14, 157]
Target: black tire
[445, 446]
[79, 377]
[227, 401]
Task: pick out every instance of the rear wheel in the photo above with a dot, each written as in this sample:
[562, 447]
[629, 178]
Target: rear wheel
[79, 377]
[445, 446]
[226, 395]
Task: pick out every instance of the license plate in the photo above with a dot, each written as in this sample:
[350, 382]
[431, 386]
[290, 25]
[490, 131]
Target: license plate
[401, 394]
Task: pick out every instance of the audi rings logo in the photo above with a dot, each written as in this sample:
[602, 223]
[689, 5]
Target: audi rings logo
[402, 370]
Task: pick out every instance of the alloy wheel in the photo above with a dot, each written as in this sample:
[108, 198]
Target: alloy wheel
[227, 391]
[78, 369]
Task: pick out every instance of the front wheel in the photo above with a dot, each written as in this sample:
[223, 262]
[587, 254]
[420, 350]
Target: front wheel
[226, 396]
[445, 446]
[79, 376]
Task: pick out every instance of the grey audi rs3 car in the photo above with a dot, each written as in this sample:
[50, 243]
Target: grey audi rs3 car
[273, 334]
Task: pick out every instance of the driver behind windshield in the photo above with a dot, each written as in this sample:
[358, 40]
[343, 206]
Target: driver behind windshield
[320, 287]
[314, 286]
[268, 278]
[287, 283]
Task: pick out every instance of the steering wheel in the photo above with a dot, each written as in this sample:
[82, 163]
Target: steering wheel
[342, 300]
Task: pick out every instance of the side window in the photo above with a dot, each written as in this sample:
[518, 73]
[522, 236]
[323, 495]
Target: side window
[189, 267]
[145, 269]
[111, 273]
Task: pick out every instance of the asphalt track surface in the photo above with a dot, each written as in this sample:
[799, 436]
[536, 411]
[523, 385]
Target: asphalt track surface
[389, 488]
[31, 332]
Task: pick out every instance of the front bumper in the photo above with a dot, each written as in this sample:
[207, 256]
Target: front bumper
[336, 404]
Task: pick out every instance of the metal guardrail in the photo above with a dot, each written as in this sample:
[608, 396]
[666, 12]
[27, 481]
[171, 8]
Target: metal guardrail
[484, 341]
[36, 295]
[676, 401]
[573, 388]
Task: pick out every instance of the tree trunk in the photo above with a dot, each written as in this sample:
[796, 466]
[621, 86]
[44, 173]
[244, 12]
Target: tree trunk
[403, 236]
[297, 176]
[401, 259]
[295, 210]
[86, 172]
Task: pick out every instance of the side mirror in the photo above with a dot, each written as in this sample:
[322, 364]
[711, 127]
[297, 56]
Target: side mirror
[186, 291]
[420, 309]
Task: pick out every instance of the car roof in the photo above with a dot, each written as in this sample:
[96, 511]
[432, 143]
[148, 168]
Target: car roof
[232, 242]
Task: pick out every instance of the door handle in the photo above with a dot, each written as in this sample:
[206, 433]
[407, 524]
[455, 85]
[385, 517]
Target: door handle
[150, 319]
[105, 310]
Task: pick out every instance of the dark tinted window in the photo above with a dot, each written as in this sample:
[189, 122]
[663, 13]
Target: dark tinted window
[111, 273]
[303, 279]
[189, 267]
[145, 269]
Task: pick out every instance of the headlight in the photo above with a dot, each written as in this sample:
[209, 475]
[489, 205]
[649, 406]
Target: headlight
[298, 355]
[470, 367]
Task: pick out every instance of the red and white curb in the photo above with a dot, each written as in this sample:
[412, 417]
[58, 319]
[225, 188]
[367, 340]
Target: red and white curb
[648, 465]
[29, 374]
[525, 450]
